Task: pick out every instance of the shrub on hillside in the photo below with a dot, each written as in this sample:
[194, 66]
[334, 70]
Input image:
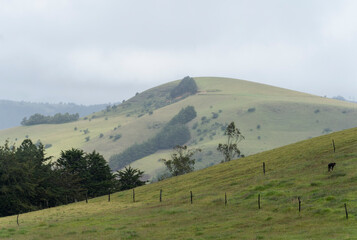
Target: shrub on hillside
[326, 130]
[214, 115]
[205, 120]
[117, 137]
[48, 145]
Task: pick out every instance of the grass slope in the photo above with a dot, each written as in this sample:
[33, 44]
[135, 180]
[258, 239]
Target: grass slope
[283, 117]
[295, 170]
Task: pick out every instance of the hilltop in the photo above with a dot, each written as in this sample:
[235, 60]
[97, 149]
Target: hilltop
[267, 116]
[297, 170]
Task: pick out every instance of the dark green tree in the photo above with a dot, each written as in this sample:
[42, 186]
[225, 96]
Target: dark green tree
[72, 168]
[24, 178]
[230, 149]
[181, 161]
[74, 161]
[90, 171]
[100, 179]
[129, 178]
[184, 116]
[186, 86]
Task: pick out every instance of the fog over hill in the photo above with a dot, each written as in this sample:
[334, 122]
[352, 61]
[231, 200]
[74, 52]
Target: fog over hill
[12, 112]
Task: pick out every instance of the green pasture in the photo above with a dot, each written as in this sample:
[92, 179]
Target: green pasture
[297, 170]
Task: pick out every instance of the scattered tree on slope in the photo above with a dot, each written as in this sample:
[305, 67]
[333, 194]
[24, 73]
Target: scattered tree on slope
[230, 149]
[181, 161]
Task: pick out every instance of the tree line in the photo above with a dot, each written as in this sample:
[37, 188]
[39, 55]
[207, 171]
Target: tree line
[175, 132]
[31, 181]
[56, 119]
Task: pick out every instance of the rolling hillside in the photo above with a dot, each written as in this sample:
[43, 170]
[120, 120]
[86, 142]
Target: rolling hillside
[267, 116]
[297, 170]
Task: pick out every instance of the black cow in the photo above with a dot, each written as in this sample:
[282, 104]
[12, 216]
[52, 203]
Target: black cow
[331, 166]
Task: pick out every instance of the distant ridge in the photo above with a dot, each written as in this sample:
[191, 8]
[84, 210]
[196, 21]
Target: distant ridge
[12, 112]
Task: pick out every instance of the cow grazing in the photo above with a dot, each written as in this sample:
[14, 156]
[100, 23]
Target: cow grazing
[331, 166]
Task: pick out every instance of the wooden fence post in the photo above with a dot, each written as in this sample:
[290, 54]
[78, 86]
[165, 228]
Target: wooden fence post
[333, 144]
[225, 199]
[259, 200]
[17, 219]
[299, 204]
[346, 211]
[133, 195]
[109, 196]
[264, 168]
[160, 195]
[87, 197]
[191, 196]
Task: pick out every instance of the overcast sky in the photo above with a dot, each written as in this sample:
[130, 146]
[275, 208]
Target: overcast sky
[103, 51]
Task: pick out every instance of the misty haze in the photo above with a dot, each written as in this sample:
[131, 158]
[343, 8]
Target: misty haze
[178, 119]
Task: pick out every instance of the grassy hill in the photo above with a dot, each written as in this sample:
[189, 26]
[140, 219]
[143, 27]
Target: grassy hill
[297, 170]
[267, 116]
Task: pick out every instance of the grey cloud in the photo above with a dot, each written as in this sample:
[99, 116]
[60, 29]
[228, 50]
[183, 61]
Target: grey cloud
[51, 50]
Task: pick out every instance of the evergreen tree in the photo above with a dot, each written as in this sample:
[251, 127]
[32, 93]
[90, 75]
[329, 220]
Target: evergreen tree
[129, 178]
[100, 178]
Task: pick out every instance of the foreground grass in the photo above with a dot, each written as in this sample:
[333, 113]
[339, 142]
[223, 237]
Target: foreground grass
[295, 170]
